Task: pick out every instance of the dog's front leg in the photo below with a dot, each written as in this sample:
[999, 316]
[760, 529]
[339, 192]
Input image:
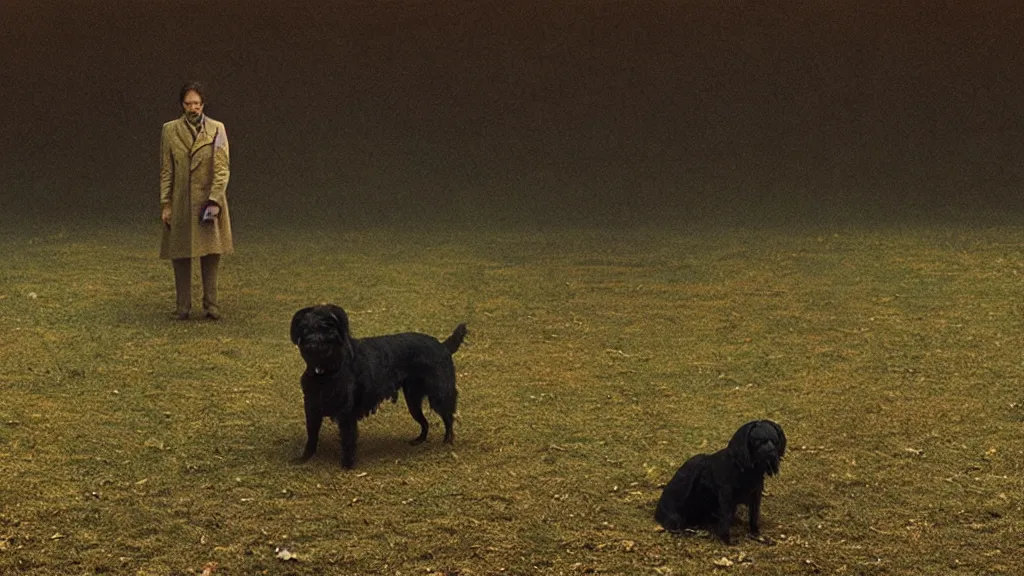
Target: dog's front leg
[348, 430]
[726, 513]
[754, 509]
[313, 421]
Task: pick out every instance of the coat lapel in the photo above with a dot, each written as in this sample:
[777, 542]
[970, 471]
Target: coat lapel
[184, 134]
[203, 138]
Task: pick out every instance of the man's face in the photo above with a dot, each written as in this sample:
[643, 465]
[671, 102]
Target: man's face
[192, 104]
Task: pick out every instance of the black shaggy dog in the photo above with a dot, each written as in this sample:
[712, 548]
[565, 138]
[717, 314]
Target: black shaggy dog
[347, 378]
[708, 488]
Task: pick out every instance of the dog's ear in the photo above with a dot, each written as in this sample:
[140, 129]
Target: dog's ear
[781, 447]
[340, 317]
[739, 446]
[297, 322]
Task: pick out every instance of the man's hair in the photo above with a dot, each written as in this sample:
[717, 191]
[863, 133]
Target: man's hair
[191, 87]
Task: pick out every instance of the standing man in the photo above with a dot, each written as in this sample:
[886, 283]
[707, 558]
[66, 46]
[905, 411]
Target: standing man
[194, 170]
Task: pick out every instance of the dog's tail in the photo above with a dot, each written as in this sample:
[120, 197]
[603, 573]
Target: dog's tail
[455, 340]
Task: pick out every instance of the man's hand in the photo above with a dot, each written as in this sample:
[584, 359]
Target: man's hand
[165, 215]
[209, 214]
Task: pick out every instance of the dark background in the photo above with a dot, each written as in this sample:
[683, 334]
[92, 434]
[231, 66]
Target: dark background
[487, 113]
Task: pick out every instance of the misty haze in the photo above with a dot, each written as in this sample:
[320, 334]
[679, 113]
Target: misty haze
[365, 113]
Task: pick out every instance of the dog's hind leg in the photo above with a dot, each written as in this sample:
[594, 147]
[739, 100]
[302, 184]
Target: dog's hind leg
[669, 519]
[449, 434]
[415, 402]
[444, 402]
[445, 411]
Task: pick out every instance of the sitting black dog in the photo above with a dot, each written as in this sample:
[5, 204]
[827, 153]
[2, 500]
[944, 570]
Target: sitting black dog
[708, 488]
[347, 378]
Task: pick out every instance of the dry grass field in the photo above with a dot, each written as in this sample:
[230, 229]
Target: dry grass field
[597, 362]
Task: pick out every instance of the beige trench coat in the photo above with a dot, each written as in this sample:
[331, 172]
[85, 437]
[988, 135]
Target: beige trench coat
[192, 171]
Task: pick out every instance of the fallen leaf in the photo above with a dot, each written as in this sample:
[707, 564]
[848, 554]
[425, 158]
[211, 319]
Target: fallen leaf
[154, 443]
[723, 562]
[209, 568]
[283, 554]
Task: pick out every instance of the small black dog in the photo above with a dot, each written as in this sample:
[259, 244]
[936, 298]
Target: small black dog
[708, 488]
[347, 378]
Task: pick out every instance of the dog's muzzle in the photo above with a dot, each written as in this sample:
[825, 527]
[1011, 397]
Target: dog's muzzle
[316, 344]
[768, 457]
[316, 352]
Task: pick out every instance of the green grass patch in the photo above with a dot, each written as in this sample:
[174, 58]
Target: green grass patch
[597, 362]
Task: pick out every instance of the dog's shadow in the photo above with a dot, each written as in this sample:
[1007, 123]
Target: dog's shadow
[380, 447]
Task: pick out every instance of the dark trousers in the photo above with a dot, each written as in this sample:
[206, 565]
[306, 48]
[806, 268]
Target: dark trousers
[183, 282]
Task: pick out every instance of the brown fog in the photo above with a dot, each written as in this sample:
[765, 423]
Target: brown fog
[477, 113]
